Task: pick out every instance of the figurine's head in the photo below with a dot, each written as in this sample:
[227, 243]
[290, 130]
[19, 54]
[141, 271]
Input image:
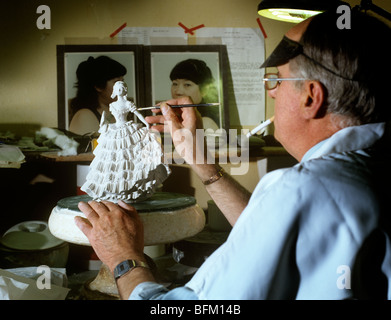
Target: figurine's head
[119, 89]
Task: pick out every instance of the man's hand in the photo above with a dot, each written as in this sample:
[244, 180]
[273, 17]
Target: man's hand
[115, 231]
[179, 117]
[182, 124]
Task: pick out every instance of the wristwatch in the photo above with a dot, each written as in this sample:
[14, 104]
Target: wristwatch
[126, 266]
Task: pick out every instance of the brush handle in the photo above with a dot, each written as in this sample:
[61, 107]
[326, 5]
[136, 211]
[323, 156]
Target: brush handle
[182, 106]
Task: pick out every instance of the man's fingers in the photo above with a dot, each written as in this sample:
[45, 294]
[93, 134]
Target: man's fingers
[157, 123]
[109, 206]
[88, 211]
[100, 207]
[130, 209]
[160, 128]
[170, 118]
[112, 206]
[84, 225]
[155, 119]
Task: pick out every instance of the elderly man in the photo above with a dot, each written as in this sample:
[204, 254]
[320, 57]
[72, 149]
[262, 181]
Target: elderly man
[318, 230]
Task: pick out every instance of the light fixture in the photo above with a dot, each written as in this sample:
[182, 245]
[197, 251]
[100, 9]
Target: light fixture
[366, 5]
[295, 10]
[299, 10]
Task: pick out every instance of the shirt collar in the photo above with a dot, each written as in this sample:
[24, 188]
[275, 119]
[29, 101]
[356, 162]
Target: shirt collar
[347, 139]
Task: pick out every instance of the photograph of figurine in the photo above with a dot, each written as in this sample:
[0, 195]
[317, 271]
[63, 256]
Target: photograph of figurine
[128, 158]
[86, 75]
[198, 74]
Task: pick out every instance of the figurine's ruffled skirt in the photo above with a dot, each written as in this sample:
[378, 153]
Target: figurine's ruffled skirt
[127, 164]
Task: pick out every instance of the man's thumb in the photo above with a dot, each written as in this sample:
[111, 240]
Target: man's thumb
[170, 118]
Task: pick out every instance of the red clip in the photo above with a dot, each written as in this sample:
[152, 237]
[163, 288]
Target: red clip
[187, 30]
[118, 30]
[261, 27]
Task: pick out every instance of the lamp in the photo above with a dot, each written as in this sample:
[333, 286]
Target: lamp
[366, 5]
[299, 10]
[295, 11]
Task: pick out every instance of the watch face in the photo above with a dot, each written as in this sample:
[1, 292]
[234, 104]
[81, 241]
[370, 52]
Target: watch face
[121, 269]
[126, 266]
[123, 266]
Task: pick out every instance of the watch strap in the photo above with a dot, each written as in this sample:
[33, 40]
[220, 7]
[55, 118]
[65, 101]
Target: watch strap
[214, 178]
[126, 266]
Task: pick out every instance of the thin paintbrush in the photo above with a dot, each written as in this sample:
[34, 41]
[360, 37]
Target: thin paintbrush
[182, 106]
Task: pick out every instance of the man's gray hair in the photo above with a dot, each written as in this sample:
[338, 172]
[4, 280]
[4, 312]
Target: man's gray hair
[342, 95]
[351, 65]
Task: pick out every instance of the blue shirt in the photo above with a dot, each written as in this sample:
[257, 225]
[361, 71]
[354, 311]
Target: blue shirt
[313, 231]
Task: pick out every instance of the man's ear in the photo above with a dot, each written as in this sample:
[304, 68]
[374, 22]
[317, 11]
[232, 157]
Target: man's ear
[99, 90]
[314, 97]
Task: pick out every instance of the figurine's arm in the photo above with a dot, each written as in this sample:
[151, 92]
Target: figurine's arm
[133, 108]
[105, 118]
[142, 119]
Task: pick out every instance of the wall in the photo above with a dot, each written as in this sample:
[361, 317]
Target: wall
[28, 76]
[28, 83]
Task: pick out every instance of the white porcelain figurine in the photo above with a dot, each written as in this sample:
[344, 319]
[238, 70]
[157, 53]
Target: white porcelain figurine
[128, 159]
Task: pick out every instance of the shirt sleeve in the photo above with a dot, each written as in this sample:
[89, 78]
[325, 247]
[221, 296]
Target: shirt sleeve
[155, 291]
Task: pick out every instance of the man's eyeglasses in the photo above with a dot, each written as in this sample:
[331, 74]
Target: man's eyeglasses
[271, 80]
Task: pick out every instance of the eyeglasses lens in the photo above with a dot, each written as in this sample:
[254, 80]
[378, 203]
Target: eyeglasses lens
[270, 83]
